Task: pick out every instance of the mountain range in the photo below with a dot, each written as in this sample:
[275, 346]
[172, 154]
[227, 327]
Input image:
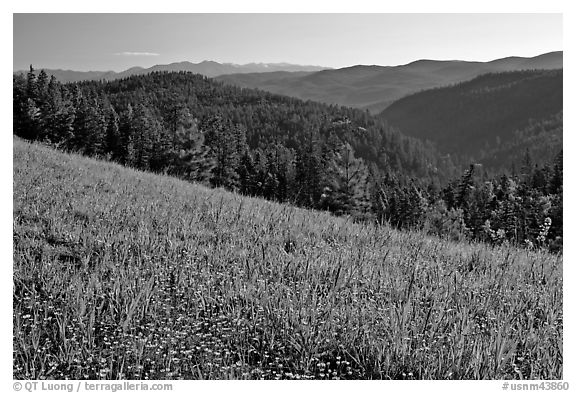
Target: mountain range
[371, 87]
[375, 87]
[207, 68]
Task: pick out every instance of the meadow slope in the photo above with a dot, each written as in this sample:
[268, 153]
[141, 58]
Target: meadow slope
[125, 274]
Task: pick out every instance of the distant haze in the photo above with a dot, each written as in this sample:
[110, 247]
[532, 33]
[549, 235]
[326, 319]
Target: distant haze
[116, 42]
[207, 68]
[376, 87]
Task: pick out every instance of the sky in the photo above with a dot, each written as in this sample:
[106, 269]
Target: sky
[119, 41]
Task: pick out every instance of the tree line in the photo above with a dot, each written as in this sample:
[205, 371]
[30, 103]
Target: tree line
[284, 149]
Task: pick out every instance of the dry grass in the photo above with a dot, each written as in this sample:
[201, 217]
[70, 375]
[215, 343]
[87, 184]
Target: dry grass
[124, 274]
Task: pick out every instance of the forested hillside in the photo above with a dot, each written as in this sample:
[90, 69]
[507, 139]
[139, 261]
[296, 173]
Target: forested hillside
[493, 118]
[164, 121]
[309, 154]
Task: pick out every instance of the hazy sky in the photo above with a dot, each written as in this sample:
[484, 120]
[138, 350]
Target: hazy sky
[119, 41]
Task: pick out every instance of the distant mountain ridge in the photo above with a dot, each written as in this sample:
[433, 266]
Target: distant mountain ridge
[375, 87]
[207, 68]
[371, 87]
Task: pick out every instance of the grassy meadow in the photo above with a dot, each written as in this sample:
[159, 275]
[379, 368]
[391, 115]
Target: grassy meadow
[120, 274]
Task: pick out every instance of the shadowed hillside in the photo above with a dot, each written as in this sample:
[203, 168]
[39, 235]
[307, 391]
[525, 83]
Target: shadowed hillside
[125, 274]
[491, 116]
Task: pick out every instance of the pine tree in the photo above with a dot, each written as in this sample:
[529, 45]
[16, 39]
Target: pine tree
[41, 89]
[32, 119]
[57, 115]
[126, 152]
[270, 186]
[284, 168]
[113, 134]
[89, 127]
[346, 182]
[309, 170]
[144, 128]
[31, 87]
[466, 184]
[527, 164]
[225, 141]
[247, 175]
[192, 160]
[556, 182]
[25, 116]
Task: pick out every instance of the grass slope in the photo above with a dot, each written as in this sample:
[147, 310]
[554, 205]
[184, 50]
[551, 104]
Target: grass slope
[124, 274]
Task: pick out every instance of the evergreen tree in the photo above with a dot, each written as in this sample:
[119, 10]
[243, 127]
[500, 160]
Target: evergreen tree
[32, 119]
[31, 86]
[89, 127]
[247, 175]
[41, 90]
[310, 170]
[58, 115]
[113, 140]
[346, 188]
[464, 187]
[225, 141]
[144, 127]
[25, 113]
[192, 160]
[555, 185]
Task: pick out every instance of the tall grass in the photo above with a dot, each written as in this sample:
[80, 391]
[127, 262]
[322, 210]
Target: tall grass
[124, 274]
